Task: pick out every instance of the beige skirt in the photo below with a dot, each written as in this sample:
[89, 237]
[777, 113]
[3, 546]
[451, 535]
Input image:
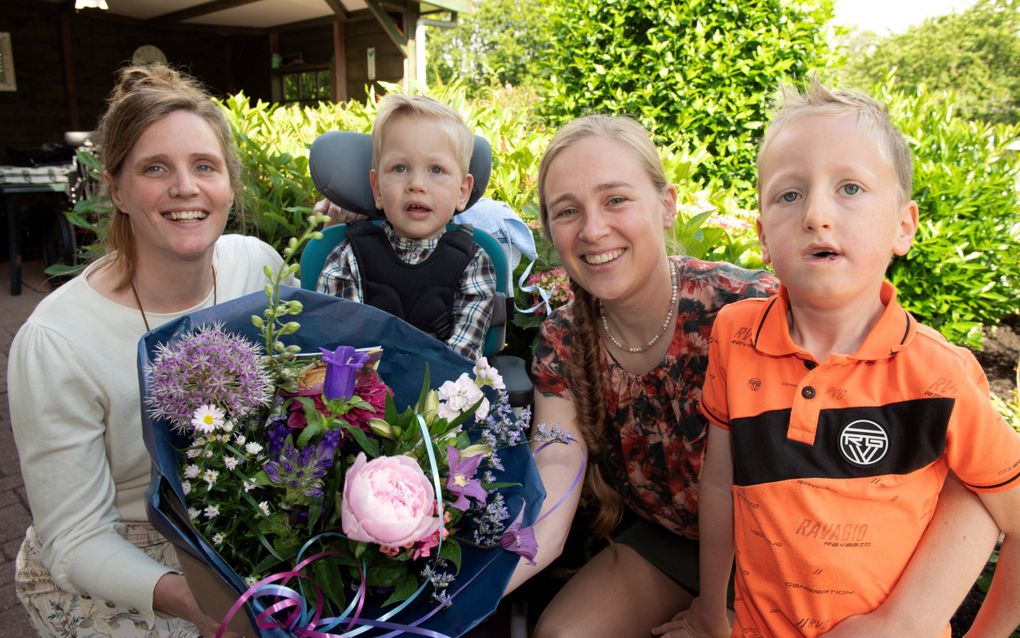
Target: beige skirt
[55, 612]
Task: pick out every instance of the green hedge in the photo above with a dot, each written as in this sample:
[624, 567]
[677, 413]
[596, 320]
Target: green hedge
[698, 72]
[964, 269]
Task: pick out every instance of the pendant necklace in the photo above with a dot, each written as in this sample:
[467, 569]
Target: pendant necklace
[665, 324]
[142, 310]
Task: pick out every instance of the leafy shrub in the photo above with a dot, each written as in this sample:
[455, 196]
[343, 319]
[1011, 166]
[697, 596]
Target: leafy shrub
[963, 271]
[977, 55]
[699, 73]
[498, 43]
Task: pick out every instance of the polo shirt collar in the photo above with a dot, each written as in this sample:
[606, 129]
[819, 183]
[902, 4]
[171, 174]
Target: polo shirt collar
[893, 331]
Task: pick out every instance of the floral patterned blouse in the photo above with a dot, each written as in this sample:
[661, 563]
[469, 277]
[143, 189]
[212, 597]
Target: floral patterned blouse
[659, 435]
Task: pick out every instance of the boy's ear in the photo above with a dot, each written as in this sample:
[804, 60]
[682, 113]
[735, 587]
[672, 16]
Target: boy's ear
[373, 179]
[465, 191]
[766, 255]
[906, 228]
[668, 199]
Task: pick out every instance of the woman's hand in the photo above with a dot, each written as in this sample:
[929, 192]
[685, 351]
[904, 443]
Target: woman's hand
[173, 597]
[694, 622]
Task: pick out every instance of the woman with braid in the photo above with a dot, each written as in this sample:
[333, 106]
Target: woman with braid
[621, 368]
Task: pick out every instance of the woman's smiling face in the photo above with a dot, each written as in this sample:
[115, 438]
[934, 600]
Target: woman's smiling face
[606, 217]
[175, 186]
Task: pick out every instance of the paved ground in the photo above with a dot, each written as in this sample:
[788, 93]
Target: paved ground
[14, 516]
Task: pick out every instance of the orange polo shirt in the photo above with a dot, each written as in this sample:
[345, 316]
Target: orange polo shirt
[837, 465]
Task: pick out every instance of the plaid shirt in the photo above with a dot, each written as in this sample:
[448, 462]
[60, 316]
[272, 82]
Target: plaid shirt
[473, 302]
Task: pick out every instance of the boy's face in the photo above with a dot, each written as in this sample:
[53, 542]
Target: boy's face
[831, 217]
[418, 182]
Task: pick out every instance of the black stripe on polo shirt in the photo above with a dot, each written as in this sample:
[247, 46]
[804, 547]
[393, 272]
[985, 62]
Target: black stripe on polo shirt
[897, 438]
[995, 486]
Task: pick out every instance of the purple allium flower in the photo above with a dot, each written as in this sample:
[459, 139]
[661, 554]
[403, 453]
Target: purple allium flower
[460, 481]
[342, 367]
[207, 367]
[300, 472]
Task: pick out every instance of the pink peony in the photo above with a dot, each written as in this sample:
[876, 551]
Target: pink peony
[388, 501]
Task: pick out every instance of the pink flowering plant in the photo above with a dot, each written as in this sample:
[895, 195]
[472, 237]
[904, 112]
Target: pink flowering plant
[292, 454]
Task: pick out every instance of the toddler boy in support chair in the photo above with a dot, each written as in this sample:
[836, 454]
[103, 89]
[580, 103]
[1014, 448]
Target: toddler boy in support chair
[441, 282]
[838, 416]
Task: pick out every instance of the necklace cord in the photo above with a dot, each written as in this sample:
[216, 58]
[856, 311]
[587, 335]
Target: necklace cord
[662, 330]
[142, 309]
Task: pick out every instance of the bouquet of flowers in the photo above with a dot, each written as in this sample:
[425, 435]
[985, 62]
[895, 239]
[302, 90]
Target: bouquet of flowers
[317, 471]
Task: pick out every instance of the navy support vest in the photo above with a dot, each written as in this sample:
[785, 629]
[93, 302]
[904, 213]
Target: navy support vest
[420, 294]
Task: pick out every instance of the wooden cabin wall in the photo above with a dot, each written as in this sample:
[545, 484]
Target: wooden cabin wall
[315, 46]
[39, 111]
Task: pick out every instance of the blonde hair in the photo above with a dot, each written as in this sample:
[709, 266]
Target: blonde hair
[143, 96]
[585, 350]
[624, 130]
[394, 105]
[872, 117]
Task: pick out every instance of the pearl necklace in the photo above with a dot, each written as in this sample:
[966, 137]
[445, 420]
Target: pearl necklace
[142, 310]
[665, 324]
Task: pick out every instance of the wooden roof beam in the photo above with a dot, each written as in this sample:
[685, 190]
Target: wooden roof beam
[200, 10]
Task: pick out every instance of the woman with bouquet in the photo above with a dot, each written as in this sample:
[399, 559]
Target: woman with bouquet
[621, 367]
[91, 565]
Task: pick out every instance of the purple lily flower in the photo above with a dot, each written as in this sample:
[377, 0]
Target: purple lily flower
[342, 367]
[520, 540]
[460, 481]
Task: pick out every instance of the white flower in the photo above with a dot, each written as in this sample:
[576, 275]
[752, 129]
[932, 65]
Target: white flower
[228, 426]
[239, 439]
[210, 476]
[483, 409]
[252, 448]
[486, 375]
[211, 511]
[191, 471]
[230, 462]
[193, 452]
[193, 513]
[455, 397]
[218, 539]
[207, 419]
[208, 454]
[186, 487]
[264, 507]
[250, 581]
[249, 485]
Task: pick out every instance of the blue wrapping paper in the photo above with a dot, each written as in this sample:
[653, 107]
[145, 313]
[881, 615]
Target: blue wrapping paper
[327, 322]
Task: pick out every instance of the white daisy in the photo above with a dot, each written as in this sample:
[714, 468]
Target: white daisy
[210, 476]
[207, 419]
[211, 511]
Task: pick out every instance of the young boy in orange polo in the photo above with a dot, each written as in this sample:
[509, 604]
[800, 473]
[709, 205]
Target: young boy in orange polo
[838, 415]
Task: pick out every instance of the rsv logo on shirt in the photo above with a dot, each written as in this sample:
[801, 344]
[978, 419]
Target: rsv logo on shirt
[863, 442]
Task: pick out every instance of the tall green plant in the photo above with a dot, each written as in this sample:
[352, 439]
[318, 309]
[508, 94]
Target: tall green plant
[699, 73]
[963, 271]
[975, 52]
